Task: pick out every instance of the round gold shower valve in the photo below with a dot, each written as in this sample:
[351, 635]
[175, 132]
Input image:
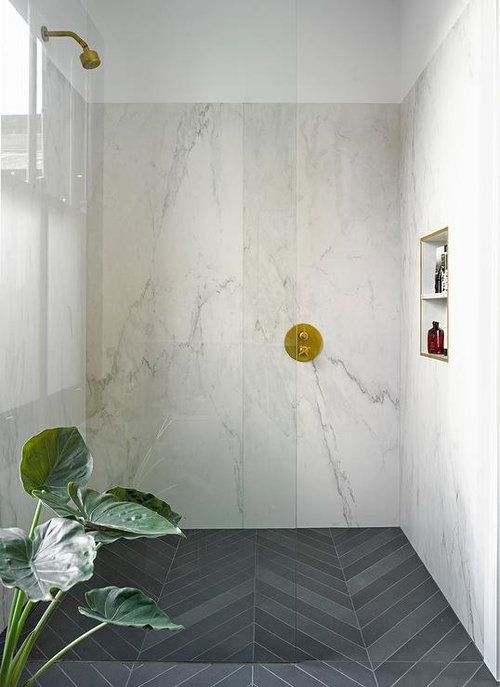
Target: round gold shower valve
[303, 342]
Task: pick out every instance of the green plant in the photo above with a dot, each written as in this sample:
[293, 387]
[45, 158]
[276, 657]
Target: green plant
[53, 557]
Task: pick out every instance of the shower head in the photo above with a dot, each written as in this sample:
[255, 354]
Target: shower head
[89, 58]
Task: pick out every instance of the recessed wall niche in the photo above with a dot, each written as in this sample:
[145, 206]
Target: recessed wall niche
[434, 292]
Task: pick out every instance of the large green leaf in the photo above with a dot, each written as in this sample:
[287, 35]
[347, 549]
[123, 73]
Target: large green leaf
[148, 500]
[53, 458]
[60, 555]
[107, 518]
[125, 606]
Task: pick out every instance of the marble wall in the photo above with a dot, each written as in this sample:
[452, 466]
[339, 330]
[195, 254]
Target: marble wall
[42, 260]
[443, 468]
[218, 227]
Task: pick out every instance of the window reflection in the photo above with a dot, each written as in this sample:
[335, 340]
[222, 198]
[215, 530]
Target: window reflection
[14, 90]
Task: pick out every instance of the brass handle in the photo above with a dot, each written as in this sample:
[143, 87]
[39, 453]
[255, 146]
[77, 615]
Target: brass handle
[295, 342]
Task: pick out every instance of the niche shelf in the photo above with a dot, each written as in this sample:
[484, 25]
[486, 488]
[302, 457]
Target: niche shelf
[433, 306]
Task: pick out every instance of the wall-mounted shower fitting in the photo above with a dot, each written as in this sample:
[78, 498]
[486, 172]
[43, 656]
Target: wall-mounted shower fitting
[303, 342]
[89, 58]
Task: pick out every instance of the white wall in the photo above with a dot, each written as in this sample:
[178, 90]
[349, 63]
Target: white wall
[348, 51]
[338, 51]
[260, 51]
[446, 507]
[424, 25]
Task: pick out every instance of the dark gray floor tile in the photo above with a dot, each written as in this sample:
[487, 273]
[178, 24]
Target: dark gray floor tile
[383, 583]
[392, 595]
[483, 678]
[404, 632]
[329, 621]
[273, 596]
[450, 646]
[456, 675]
[283, 613]
[162, 674]
[226, 675]
[340, 673]
[278, 627]
[276, 646]
[379, 568]
[337, 593]
[423, 641]
[229, 645]
[330, 639]
[470, 653]
[421, 673]
[262, 677]
[367, 544]
[398, 612]
[388, 673]
[379, 554]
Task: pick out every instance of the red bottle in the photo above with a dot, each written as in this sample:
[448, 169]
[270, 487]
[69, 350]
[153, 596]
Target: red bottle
[435, 340]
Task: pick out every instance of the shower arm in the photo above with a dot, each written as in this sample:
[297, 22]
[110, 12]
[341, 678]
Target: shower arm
[46, 34]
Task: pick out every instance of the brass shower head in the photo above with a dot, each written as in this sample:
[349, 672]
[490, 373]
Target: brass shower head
[89, 58]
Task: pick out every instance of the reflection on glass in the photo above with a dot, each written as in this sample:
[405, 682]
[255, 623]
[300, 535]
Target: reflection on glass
[39, 110]
[14, 90]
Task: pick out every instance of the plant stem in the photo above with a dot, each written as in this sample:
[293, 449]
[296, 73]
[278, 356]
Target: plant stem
[10, 645]
[36, 518]
[19, 660]
[61, 653]
[14, 627]
[25, 649]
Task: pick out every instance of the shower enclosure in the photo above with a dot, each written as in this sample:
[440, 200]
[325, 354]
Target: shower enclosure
[217, 227]
[168, 232]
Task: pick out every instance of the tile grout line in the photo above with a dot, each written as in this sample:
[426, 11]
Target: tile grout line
[438, 591]
[298, 561]
[356, 616]
[449, 662]
[195, 639]
[292, 610]
[315, 622]
[134, 667]
[239, 569]
[387, 660]
[405, 544]
[414, 663]
[299, 667]
[384, 591]
[233, 601]
[159, 597]
[369, 553]
[472, 676]
[254, 596]
[398, 601]
[324, 584]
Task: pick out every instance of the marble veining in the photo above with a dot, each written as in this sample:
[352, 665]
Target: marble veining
[440, 430]
[240, 220]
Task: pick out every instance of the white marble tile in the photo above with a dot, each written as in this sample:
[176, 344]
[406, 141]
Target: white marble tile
[206, 264]
[348, 286]
[440, 428]
[167, 312]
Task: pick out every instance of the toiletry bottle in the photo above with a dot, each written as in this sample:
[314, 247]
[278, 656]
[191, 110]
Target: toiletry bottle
[435, 340]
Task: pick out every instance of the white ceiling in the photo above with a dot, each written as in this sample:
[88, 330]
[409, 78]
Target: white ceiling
[268, 50]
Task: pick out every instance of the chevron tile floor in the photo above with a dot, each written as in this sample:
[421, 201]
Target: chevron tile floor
[271, 608]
